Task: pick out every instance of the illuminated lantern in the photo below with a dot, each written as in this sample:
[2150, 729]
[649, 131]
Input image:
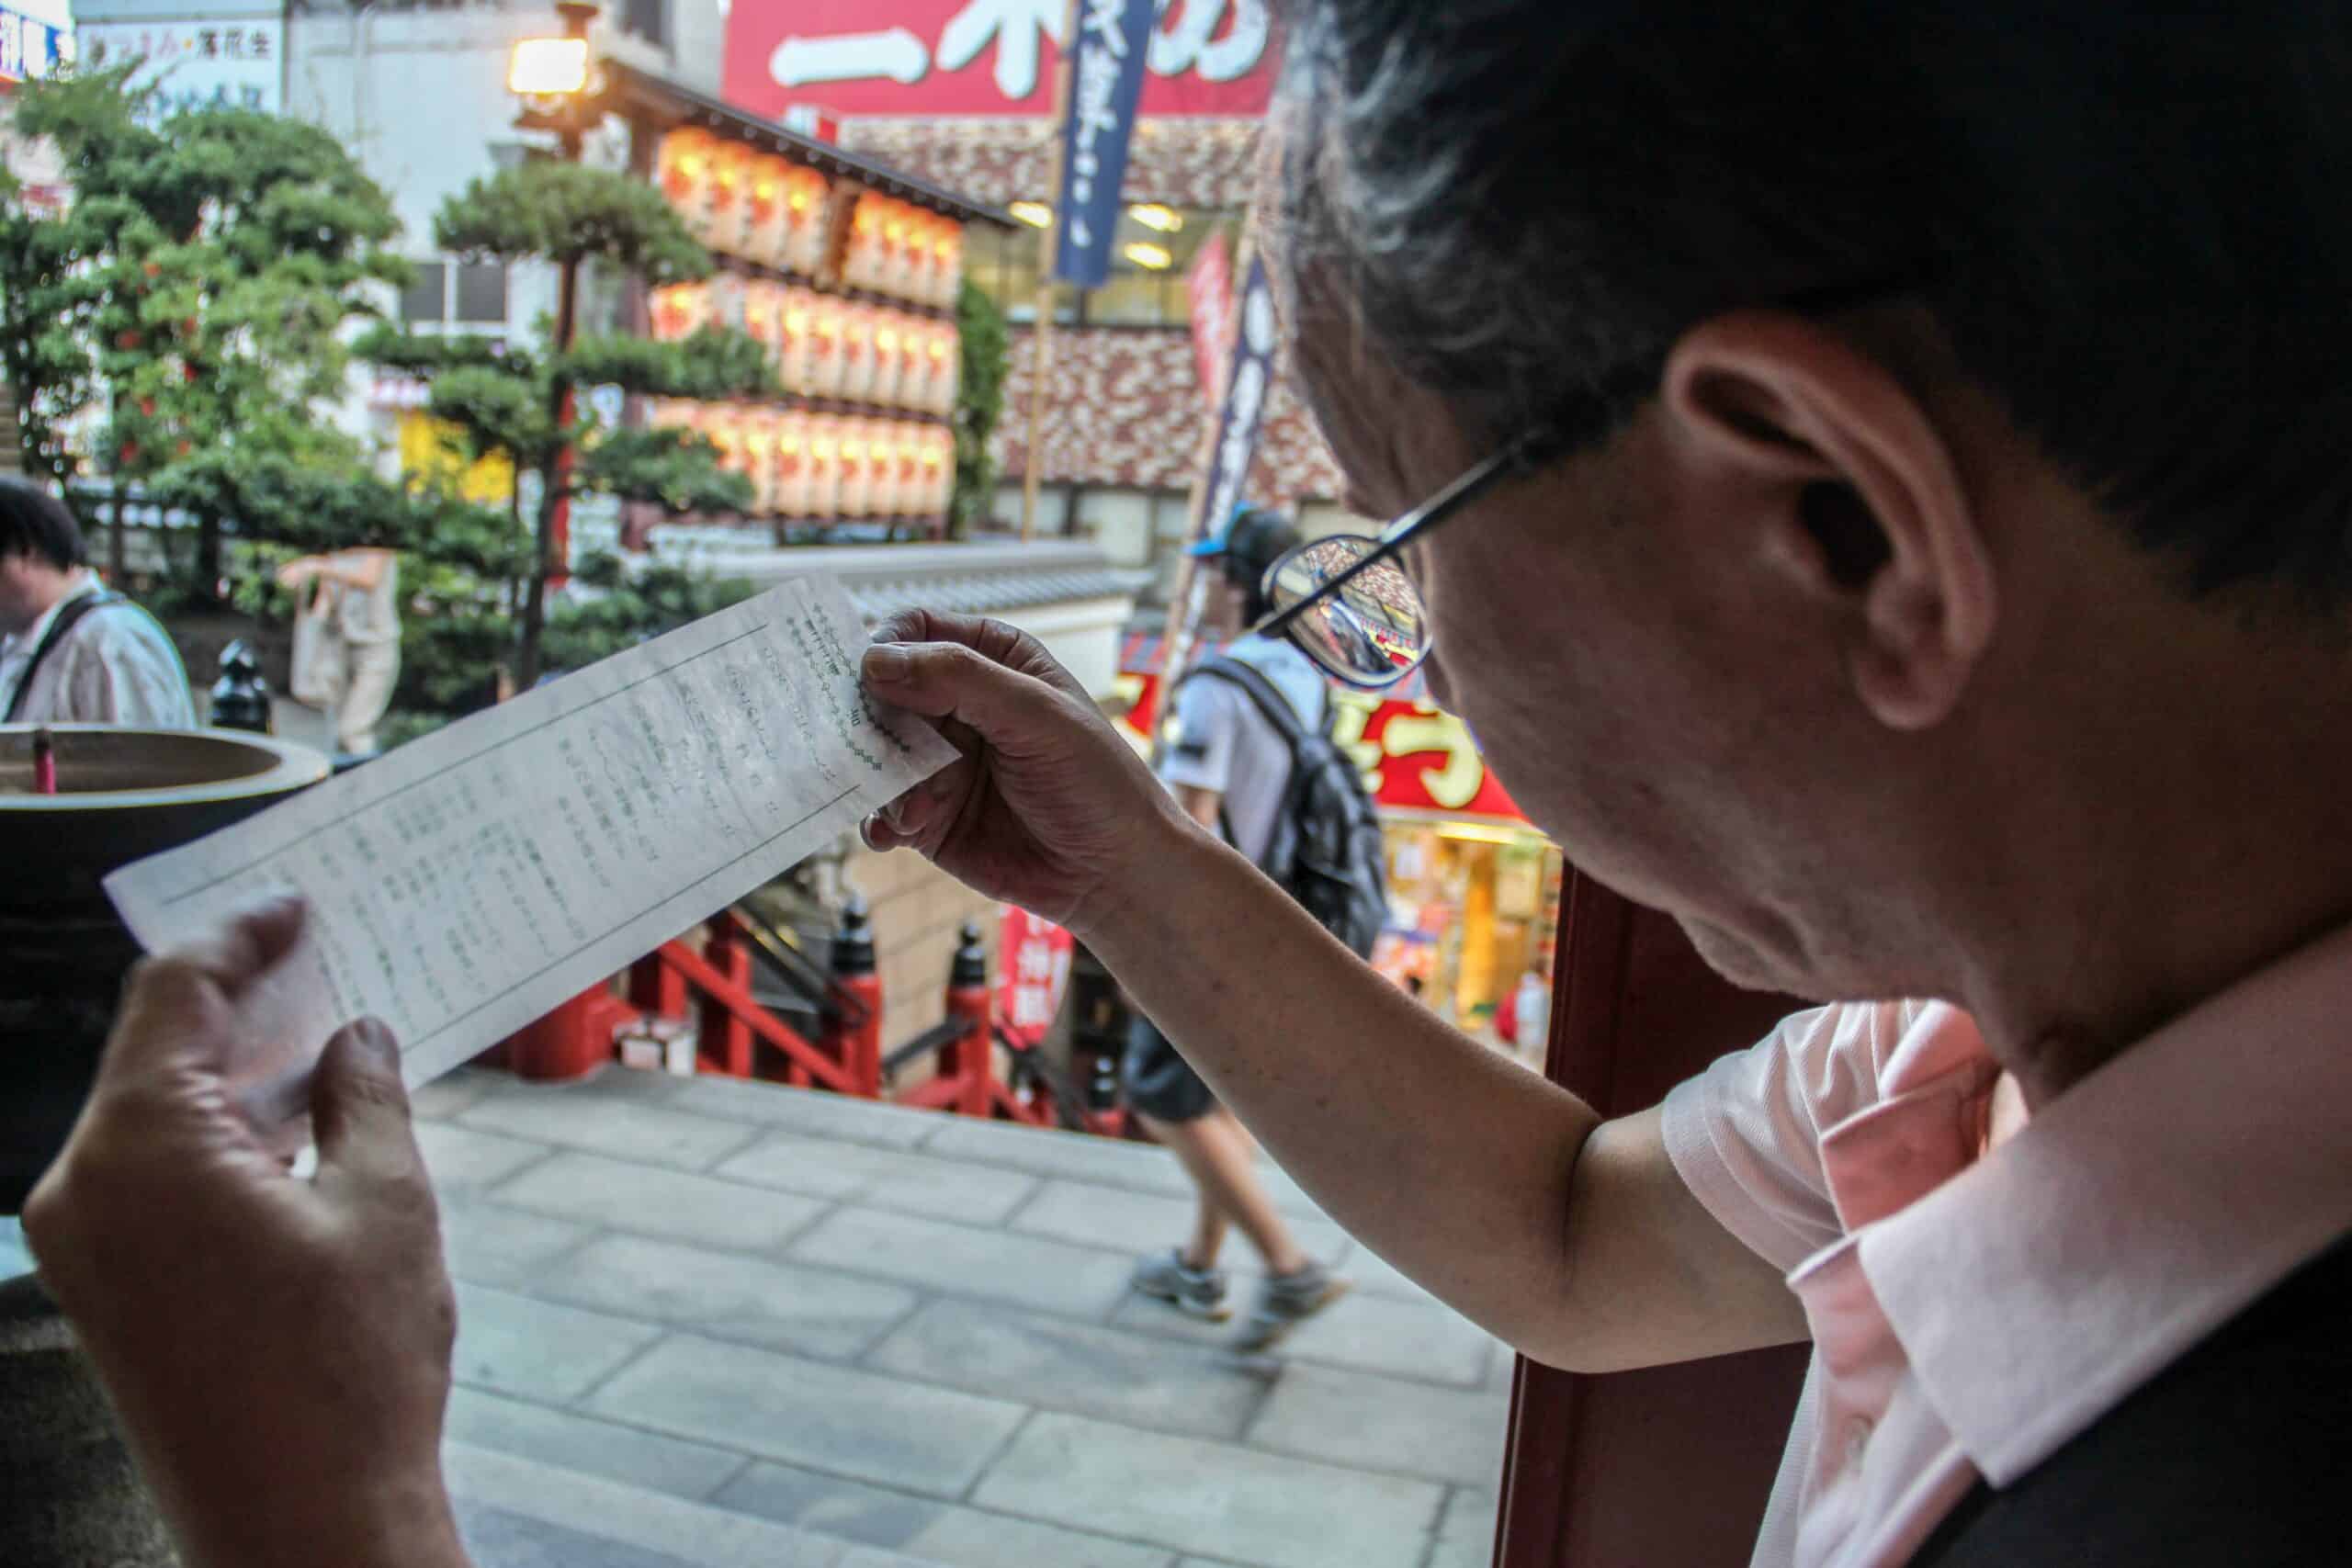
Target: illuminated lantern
[687, 172]
[730, 304]
[807, 218]
[854, 463]
[889, 330]
[881, 469]
[763, 319]
[762, 218]
[903, 234]
[857, 353]
[796, 341]
[947, 264]
[948, 369]
[863, 265]
[824, 469]
[824, 346]
[721, 425]
[759, 458]
[941, 467]
[919, 259]
[730, 170]
[792, 465]
[678, 309]
[907, 444]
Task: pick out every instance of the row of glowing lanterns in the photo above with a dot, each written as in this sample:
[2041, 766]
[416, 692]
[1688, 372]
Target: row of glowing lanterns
[767, 209]
[823, 467]
[822, 345]
[1148, 255]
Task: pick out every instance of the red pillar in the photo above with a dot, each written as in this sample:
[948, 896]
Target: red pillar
[569, 1043]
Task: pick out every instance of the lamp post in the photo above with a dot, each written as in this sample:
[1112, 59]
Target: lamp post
[561, 92]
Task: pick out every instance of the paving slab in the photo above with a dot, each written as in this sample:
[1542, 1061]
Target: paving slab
[885, 1179]
[851, 1510]
[811, 1311]
[608, 1512]
[1213, 1499]
[674, 1205]
[461, 1160]
[1466, 1536]
[1042, 1151]
[450, 1093]
[511, 1344]
[857, 1424]
[966, 1260]
[967, 1537]
[584, 1117]
[1115, 1218]
[813, 1111]
[1423, 1340]
[1388, 1424]
[496, 1538]
[490, 1245]
[669, 1465]
[1058, 1365]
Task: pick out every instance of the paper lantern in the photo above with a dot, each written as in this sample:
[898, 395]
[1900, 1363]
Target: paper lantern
[686, 167]
[938, 471]
[721, 425]
[857, 353]
[824, 468]
[889, 361]
[792, 465]
[825, 346]
[759, 458]
[795, 340]
[913, 500]
[864, 263]
[808, 207]
[730, 169]
[855, 462]
[947, 264]
[678, 310]
[763, 319]
[729, 306]
[763, 219]
[948, 369]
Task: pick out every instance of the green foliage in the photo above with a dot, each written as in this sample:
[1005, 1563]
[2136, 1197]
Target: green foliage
[620, 609]
[715, 364]
[980, 403]
[561, 211]
[676, 469]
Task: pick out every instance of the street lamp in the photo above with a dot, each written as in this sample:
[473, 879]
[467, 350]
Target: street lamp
[561, 91]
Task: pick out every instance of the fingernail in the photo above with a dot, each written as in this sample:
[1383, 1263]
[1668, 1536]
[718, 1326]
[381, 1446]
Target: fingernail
[886, 662]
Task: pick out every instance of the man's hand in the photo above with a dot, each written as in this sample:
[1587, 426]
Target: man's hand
[1048, 809]
[276, 1348]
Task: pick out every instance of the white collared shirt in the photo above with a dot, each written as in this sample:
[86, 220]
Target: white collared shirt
[116, 665]
[1977, 1300]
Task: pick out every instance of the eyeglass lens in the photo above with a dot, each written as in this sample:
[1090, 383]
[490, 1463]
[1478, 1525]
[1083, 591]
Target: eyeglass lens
[1371, 631]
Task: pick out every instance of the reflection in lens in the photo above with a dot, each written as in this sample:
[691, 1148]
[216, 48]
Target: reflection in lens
[1370, 631]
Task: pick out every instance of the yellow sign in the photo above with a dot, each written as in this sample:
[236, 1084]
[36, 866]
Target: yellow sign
[431, 450]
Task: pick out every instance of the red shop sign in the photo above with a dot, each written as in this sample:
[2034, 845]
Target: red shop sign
[1035, 956]
[1413, 756]
[980, 57]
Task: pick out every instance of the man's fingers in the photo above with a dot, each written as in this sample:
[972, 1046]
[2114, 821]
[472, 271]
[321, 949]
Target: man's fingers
[171, 998]
[949, 680]
[249, 944]
[358, 1106]
[992, 640]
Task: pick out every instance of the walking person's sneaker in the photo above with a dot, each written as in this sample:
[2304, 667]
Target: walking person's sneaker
[1287, 1301]
[1164, 1276]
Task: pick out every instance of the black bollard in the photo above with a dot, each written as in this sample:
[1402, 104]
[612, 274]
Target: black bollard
[240, 698]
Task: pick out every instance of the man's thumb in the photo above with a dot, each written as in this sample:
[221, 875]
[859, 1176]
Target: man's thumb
[946, 679]
[358, 1106]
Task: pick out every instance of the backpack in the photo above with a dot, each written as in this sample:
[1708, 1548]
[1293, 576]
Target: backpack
[1327, 850]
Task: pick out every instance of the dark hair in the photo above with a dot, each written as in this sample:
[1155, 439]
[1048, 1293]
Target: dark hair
[2128, 220]
[1257, 537]
[35, 523]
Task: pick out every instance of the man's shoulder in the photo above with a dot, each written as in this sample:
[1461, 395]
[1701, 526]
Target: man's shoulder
[2235, 1453]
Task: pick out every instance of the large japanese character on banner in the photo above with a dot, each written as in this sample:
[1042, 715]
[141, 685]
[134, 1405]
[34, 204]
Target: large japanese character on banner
[1035, 955]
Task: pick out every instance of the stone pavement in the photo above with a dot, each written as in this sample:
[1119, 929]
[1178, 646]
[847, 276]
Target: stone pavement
[706, 1322]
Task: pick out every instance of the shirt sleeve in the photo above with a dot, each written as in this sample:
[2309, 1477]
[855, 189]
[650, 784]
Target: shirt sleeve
[1744, 1135]
[1200, 751]
[125, 670]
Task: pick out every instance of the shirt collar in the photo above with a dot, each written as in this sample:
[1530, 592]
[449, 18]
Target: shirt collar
[2132, 1216]
[30, 638]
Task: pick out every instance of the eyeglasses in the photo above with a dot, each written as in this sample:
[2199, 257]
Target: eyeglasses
[1346, 604]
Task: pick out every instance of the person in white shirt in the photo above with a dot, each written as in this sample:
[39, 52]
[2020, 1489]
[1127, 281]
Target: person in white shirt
[72, 652]
[358, 603]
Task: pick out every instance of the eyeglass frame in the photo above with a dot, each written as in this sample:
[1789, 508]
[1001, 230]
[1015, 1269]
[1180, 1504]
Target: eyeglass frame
[1522, 455]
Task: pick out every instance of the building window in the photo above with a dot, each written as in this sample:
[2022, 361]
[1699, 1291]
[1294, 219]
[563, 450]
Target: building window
[1149, 262]
[453, 296]
[648, 19]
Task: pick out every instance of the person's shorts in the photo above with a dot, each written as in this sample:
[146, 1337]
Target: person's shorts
[1160, 1083]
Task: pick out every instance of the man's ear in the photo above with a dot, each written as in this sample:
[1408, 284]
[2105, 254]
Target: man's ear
[1855, 496]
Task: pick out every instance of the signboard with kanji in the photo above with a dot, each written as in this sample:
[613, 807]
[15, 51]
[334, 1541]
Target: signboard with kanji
[239, 61]
[1034, 957]
[980, 57]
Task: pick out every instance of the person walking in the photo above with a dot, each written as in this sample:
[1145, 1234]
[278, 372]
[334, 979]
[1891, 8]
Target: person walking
[71, 651]
[349, 650]
[1230, 768]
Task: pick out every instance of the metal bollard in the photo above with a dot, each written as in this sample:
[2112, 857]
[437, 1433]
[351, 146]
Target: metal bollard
[971, 1060]
[240, 698]
[854, 1026]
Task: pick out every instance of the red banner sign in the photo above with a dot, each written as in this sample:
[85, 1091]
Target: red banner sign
[1034, 957]
[980, 57]
[1412, 755]
[1209, 285]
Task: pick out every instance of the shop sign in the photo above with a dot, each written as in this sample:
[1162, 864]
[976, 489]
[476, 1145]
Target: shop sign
[29, 48]
[981, 57]
[1035, 955]
[1105, 80]
[235, 62]
[1412, 756]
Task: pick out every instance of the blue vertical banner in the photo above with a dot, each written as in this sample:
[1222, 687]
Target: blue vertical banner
[1105, 84]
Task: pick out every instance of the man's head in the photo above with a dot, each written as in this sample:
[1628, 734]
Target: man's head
[40, 548]
[1947, 396]
[1252, 541]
